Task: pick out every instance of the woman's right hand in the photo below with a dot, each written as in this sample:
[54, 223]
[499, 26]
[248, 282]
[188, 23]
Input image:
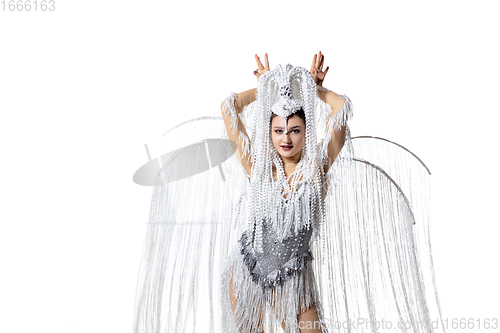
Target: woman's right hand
[261, 69]
[317, 69]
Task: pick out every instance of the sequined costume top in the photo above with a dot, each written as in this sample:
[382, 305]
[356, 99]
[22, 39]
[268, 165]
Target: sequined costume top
[281, 257]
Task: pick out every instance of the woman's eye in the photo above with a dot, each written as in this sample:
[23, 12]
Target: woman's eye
[281, 131]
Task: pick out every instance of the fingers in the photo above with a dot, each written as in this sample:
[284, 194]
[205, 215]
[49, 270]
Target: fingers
[326, 70]
[318, 60]
[259, 64]
[317, 63]
[261, 69]
[322, 58]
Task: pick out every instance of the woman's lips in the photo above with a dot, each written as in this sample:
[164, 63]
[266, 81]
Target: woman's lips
[286, 147]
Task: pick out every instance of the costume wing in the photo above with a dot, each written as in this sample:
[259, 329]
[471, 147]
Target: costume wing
[377, 273]
[190, 231]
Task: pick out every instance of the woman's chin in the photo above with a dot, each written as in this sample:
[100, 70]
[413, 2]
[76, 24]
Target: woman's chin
[286, 153]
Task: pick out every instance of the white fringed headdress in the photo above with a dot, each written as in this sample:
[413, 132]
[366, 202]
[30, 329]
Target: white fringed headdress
[282, 91]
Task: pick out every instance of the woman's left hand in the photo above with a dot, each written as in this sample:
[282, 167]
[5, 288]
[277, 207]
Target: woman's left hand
[317, 69]
[261, 69]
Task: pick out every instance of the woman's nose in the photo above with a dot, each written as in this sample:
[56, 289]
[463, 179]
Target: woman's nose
[286, 139]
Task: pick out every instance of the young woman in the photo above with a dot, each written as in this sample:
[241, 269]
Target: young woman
[280, 267]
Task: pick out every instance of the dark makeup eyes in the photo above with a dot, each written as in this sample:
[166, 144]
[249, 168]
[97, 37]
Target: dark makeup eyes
[293, 131]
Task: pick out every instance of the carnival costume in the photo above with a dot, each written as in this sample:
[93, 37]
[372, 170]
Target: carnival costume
[353, 241]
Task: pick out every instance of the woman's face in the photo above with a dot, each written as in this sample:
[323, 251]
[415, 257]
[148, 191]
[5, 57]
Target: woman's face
[288, 144]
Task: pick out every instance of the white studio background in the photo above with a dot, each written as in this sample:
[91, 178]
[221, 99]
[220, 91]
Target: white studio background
[84, 87]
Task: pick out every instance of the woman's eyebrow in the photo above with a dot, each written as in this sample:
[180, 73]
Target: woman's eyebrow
[278, 127]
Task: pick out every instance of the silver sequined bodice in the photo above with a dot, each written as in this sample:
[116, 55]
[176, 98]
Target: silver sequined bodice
[278, 260]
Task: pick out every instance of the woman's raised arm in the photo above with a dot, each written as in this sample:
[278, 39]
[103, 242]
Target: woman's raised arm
[231, 107]
[336, 103]
[337, 137]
